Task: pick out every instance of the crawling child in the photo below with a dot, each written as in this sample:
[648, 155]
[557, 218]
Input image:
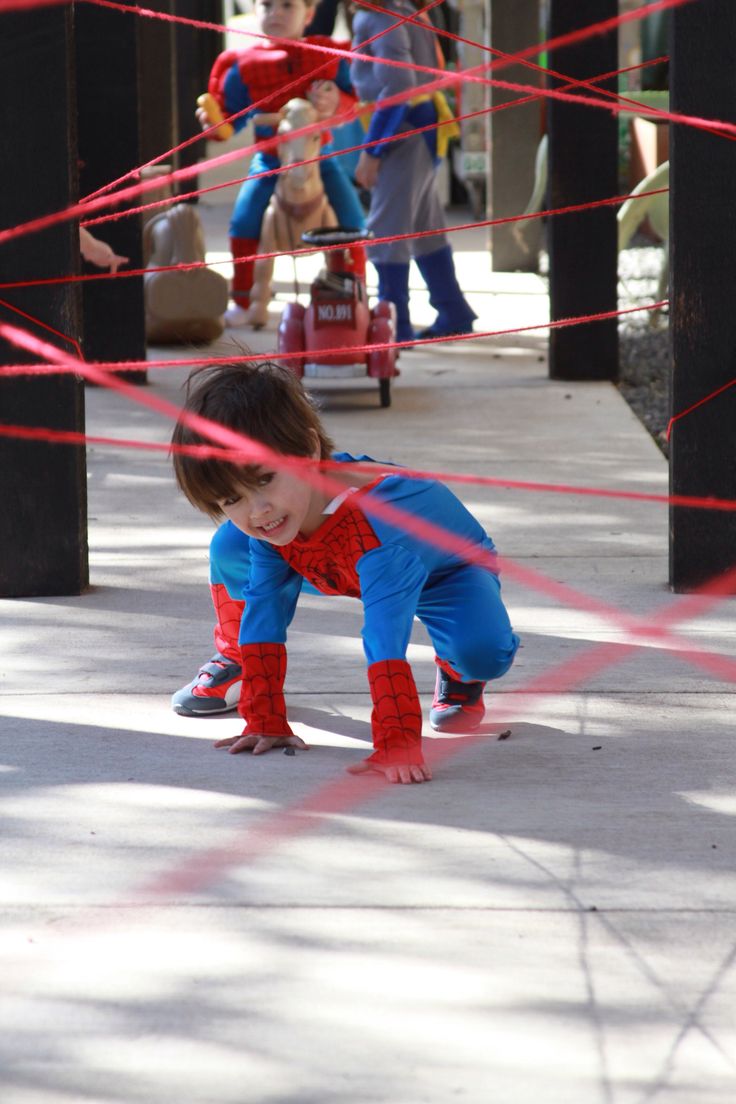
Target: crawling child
[284, 524]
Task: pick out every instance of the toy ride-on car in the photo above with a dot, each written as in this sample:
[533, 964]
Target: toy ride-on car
[338, 317]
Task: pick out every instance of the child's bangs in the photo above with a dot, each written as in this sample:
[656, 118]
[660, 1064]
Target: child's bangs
[207, 482]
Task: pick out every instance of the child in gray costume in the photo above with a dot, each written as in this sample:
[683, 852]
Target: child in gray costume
[401, 175]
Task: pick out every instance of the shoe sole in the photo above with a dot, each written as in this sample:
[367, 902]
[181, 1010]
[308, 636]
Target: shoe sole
[458, 725]
[183, 711]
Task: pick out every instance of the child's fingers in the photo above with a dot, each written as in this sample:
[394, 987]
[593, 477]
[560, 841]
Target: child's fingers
[360, 768]
[227, 742]
[265, 743]
[237, 743]
[405, 775]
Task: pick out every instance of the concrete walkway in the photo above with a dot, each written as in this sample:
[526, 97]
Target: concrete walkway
[550, 921]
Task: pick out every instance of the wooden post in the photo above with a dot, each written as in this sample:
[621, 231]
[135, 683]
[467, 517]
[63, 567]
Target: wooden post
[702, 282]
[515, 135]
[583, 166]
[43, 531]
[109, 147]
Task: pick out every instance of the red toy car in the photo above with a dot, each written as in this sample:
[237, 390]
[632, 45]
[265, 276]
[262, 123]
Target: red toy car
[338, 317]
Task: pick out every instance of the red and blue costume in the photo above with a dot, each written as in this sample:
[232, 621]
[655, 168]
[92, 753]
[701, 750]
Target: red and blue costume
[396, 574]
[257, 75]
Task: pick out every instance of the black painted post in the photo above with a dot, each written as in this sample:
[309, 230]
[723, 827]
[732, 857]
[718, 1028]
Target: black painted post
[109, 147]
[157, 51]
[702, 282]
[43, 521]
[196, 51]
[583, 167]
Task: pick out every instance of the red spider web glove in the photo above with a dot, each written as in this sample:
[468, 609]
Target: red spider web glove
[229, 613]
[262, 704]
[396, 721]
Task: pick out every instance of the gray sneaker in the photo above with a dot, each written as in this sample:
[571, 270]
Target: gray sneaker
[216, 689]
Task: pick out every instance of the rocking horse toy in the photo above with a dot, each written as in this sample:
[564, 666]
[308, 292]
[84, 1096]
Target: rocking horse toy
[298, 203]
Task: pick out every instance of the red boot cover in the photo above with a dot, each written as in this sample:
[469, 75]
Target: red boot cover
[228, 612]
[396, 721]
[262, 704]
[445, 666]
[241, 249]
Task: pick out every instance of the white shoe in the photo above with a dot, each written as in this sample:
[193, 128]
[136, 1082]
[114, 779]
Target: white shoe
[236, 316]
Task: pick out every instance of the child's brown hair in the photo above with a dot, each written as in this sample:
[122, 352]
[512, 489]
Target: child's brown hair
[262, 401]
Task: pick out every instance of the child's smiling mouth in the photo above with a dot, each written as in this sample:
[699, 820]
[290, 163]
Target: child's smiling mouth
[272, 526]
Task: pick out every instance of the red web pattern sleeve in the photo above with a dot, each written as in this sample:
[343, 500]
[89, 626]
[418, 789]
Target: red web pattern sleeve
[396, 722]
[228, 613]
[262, 704]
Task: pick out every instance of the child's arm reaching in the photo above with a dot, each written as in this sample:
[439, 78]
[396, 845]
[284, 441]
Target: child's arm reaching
[391, 579]
[396, 723]
[270, 601]
[262, 704]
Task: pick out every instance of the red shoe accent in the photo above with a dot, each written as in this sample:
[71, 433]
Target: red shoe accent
[241, 249]
[457, 706]
[396, 721]
[262, 704]
[228, 614]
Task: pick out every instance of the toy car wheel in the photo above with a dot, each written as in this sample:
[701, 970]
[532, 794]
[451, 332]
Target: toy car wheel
[381, 363]
[291, 337]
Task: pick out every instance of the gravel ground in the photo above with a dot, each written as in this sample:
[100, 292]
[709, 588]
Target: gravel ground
[644, 354]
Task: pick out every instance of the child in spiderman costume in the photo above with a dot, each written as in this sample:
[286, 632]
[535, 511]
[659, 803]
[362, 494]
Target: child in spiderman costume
[282, 528]
[258, 75]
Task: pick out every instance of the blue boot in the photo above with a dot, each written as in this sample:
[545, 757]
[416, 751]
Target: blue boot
[393, 285]
[454, 313]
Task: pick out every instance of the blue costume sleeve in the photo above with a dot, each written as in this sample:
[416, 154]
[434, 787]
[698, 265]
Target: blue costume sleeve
[236, 96]
[270, 597]
[431, 502]
[375, 81]
[342, 80]
[391, 581]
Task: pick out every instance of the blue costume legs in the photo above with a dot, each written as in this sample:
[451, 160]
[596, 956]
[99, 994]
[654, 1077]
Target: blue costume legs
[245, 226]
[255, 194]
[253, 198]
[250, 207]
[454, 313]
[468, 623]
[393, 287]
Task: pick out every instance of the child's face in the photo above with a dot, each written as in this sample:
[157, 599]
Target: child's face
[276, 509]
[283, 18]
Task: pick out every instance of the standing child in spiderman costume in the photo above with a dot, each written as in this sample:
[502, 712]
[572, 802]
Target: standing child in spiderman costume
[258, 75]
[401, 175]
[282, 529]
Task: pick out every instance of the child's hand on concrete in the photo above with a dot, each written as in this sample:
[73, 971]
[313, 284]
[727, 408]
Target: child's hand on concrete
[394, 772]
[252, 741]
[324, 97]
